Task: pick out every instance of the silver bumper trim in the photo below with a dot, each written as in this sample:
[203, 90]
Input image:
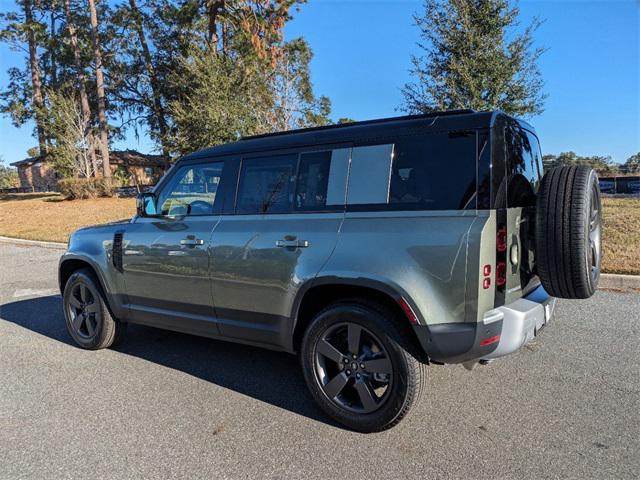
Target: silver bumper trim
[522, 320]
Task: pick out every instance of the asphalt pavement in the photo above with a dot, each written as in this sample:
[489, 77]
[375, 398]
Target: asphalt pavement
[168, 405]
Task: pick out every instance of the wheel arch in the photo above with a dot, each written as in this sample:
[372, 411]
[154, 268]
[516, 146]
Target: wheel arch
[320, 292]
[72, 263]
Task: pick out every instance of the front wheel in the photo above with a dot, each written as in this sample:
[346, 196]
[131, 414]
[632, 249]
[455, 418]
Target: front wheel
[361, 366]
[88, 319]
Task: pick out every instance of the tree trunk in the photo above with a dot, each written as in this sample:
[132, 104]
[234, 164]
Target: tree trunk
[36, 81]
[52, 59]
[84, 101]
[158, 110]
[102, 108]
[215, 8]
[225, 39]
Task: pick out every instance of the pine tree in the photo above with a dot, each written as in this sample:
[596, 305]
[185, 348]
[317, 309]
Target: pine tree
[102, 108]
[81, 83]
[22, 99]
[156, 92]
[192, 73]
[468, 60]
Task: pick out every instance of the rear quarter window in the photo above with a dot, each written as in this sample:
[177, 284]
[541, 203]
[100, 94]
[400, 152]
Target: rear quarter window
[435, 171]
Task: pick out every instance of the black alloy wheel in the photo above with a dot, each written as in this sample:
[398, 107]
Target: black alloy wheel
[353, 368]
[88, 318]
[84, 311]
[362, 364]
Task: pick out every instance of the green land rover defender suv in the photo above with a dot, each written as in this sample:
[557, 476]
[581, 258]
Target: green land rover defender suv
[372, 250]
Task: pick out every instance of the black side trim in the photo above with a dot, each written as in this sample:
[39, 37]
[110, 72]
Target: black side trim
[263, 328]
[456, 342]
[116, 250]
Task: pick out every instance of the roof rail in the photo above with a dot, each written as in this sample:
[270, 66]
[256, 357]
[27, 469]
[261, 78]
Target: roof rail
[364, 122]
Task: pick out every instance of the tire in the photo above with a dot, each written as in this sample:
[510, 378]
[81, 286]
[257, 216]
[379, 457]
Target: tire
[368, 399]
[569, 231]
[87, 316]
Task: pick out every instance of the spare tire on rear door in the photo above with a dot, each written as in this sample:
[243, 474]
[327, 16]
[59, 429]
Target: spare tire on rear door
[568, 232]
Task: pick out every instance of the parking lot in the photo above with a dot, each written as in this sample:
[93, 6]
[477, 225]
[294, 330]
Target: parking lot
[165, 405]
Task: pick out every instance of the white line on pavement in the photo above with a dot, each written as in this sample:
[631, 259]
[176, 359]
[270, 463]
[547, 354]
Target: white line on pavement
[35, 292]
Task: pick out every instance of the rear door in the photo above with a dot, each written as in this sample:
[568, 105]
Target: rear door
[288, 211]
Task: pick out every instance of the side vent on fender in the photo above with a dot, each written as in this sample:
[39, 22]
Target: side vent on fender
[116, 250]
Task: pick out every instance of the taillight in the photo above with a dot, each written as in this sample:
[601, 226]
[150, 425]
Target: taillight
[501, 273]
[501, 258]
[486, 272]
[501, 239]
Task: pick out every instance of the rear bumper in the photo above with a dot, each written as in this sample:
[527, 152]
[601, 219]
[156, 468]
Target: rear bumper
[502, 331]
[522, 321]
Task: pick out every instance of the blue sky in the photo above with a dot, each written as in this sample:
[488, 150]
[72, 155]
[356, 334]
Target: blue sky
[362, 55]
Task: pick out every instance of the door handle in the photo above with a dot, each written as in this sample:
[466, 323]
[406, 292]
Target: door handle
[292, 243]
[191, 241]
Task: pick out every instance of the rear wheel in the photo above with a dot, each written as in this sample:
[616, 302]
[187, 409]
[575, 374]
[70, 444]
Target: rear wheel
[569, 232]
[360, 366]
[88, 319]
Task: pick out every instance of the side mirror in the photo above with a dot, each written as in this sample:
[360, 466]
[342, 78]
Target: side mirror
[146, 204]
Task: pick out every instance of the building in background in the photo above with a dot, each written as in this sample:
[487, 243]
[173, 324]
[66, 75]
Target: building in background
[37, 174]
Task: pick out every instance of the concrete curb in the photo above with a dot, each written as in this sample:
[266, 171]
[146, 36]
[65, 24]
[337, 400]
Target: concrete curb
[618, 281]
[35, 243]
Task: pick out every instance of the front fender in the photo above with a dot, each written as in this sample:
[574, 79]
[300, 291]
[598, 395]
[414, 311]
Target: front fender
[92, 248]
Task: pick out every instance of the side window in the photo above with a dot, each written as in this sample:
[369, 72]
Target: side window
[435, 171]
[322, 179]
[313, 180]
[192, 190]
[266, 184]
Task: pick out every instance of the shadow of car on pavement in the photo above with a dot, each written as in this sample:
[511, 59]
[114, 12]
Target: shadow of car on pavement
[272, 377]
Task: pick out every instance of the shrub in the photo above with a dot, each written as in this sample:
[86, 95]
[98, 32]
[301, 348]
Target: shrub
[122, 176]
[77, 188]
[106, 187]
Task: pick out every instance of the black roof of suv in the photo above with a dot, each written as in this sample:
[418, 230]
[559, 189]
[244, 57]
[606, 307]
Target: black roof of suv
[375, 130]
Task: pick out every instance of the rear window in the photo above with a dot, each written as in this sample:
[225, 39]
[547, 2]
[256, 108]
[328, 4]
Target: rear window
[435, 171]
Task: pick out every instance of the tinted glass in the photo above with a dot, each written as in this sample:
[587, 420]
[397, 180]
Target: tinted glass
[522, 166]
[536, 154]
[435, 171]
[192, 191]
[484, 170]
[313, 178]
[266, 184]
